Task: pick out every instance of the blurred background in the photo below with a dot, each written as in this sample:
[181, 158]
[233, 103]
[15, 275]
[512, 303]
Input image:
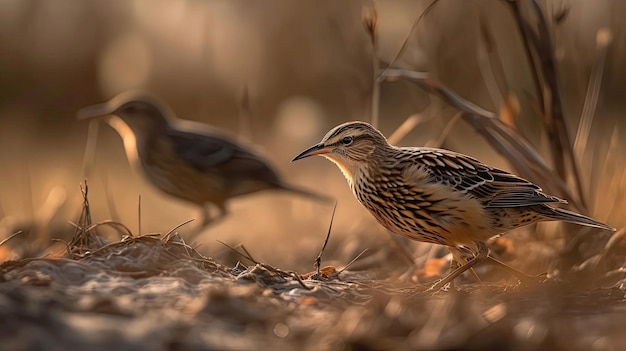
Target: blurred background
[307, 66]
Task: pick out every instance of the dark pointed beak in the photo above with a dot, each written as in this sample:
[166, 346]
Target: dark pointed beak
[94, 111]
[317, 149]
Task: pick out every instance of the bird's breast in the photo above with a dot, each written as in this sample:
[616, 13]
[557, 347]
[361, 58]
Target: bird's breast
[346, 169]
[420, 210]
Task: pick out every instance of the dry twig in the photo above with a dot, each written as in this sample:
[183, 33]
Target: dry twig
[370, 22]
[166, 238]
[4, 241]
[318, 260]
[540, 54]
[244, 255]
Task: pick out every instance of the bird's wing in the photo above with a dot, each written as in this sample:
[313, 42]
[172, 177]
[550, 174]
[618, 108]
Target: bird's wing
[493, 187]
[216, 153]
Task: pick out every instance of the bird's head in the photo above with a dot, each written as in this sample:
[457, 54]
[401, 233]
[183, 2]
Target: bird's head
[350, 145]
[141, 112]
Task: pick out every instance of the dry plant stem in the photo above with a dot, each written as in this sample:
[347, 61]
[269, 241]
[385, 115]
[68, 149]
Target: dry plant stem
[243, 247]
[376, 64]
[352, 261]
[90, 148]
[406, 127]
[494, 76]
[521, 276]
[375, 88]
[424, 81]
[296, 276]
[109, 198]
[603, 39]
[282, 273]
[80, 239]
[4, 241]
[318, 260]
[604, 261]
[110, 223]
[602, 161]
[244, 255]
[168, 235]
[87, 211]
[526, 31]
[446, 130]
[612, 245]
[604, 165]
[540, 53]
[68, 249]
[405, 44]
[370, 22]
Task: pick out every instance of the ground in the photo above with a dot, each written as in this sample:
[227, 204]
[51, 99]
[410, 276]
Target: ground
[155, 292]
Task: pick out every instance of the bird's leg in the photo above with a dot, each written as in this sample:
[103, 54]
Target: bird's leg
[482, 250]
[207, 219]
[454, 264]
[482, 254]
[458, 258]
[475, 275]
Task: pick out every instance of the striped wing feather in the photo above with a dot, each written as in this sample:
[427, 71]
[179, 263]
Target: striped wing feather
[494, 187]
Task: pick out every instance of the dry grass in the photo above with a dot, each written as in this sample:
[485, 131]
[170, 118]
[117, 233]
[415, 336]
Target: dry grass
[155, 290]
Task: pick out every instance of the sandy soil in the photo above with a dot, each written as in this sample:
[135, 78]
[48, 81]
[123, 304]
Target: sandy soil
[155, 292]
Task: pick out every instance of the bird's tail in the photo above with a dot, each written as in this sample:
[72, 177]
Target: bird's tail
[304, 192]
[560, 214]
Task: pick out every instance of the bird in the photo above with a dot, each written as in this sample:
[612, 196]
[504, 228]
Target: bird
[188, 160]
[438, 196]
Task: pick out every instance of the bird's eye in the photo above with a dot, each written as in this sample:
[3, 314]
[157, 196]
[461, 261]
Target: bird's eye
[347, 140]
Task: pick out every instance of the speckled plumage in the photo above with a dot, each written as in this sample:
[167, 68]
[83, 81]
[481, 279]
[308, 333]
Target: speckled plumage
[434, 195]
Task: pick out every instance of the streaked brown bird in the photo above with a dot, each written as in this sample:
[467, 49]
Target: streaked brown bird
[438, 196]
[185, 159]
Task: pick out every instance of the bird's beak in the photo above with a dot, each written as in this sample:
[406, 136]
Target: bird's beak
[317, 149]
[95, 111]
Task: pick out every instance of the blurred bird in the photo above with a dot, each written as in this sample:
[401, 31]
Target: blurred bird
[438, 196]
[188, 160]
